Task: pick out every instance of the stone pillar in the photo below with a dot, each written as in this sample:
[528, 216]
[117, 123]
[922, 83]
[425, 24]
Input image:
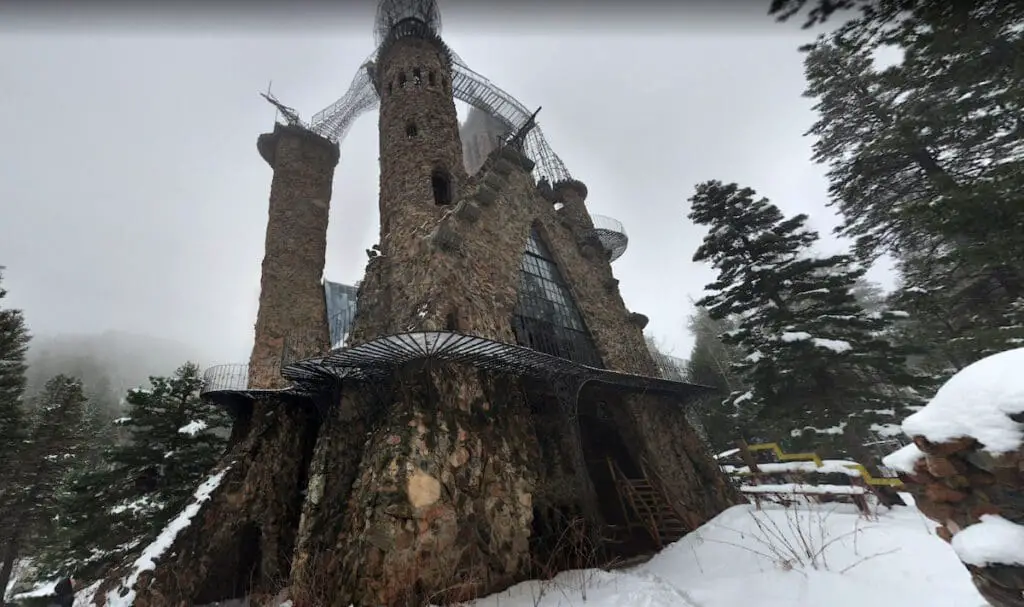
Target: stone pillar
[292, 311]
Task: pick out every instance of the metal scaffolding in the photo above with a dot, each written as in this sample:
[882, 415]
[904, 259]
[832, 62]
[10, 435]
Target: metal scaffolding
[335, 121]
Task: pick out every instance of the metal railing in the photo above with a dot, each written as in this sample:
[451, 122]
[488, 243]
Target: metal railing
[224, 378]
[612, 235]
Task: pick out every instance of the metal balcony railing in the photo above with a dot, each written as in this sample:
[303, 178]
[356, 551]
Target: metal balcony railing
[612, 235]
[226, 378]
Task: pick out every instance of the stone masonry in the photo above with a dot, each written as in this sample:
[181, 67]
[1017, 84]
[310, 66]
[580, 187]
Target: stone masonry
[441, 495]
[292, 307]
[957, 482]
[427, 488]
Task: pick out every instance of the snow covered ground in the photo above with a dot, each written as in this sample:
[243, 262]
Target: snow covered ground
[808, 556]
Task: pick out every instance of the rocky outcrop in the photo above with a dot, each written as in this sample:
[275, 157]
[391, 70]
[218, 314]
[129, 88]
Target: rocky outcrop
[955, 483]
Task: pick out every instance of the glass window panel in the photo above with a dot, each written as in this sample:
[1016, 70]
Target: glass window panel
[546, 317]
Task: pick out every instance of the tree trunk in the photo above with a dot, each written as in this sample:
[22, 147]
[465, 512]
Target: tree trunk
[10, 555]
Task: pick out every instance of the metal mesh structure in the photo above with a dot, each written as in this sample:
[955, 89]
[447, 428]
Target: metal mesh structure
[391, 13]
[225, 378]
[335, 121]
[612, 235]
[376, 360]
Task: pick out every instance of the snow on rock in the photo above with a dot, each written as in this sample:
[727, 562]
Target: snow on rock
[993, 541]
[791, 336]
[977, 402]
[903, 459]
[738, 558]
[147, 560]
[192, 428]
[84, 597]
[42, 590]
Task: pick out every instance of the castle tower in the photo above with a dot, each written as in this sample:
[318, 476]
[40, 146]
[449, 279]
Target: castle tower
[292, 312]
[420, 154]
[394, 476]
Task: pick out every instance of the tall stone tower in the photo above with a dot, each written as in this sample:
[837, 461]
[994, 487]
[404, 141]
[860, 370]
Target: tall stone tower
[292, 312]
[420, 155]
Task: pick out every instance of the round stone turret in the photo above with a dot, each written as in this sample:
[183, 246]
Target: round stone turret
[421, 164]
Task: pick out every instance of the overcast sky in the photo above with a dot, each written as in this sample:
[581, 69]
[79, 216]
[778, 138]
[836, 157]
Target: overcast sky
[133, 197]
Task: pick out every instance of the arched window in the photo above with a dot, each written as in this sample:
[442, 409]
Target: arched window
[441, 182]
[431, 78]
[401, 80]
[417, 76]
[411, 130]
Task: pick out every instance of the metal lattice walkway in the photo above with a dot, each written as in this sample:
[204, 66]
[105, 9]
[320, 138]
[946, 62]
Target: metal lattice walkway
[378, 359]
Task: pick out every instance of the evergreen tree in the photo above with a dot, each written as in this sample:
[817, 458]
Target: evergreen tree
[14, 340]
[815, 359]
[174, 439]
[712, 363]
[42, 464]
[927, 161]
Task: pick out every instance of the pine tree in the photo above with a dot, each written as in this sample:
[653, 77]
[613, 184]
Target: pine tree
[926, 161]
[712, 363]
[815, 359]
[43, 463]
[14, 340]
[174, 439]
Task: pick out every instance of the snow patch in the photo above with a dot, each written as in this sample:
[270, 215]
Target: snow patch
[903, 459]
[147, 560]
[828, 466]
[836, 345]
[792, 336]
[797, 488]
[734, 559]
[993, 541]
[192, 428]
[977, 402]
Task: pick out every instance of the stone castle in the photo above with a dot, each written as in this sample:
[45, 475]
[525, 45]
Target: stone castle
[488, 412]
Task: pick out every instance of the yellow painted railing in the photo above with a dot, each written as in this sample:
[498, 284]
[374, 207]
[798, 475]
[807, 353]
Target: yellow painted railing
[814, 457]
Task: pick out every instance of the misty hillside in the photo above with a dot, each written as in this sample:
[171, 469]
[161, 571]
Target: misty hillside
[107, 363]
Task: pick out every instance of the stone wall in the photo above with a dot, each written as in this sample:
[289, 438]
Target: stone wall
[954, 484]
[441, 507]
[292, 307]
[241, 542]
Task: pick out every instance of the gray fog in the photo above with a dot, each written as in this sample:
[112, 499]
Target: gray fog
[132, 196]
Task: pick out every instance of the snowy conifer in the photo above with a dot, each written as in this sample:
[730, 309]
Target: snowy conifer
[174, 438]
[815, 359]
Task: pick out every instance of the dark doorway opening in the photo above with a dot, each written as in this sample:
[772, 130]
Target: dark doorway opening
[608, 459]
[441, 183]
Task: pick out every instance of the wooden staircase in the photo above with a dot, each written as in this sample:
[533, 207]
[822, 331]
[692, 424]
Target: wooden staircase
[647, 506]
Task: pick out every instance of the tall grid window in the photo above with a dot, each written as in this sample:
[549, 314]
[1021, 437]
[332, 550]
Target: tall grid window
[546, 318]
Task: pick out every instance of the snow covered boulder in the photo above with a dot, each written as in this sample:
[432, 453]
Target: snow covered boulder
[966, 471]
[984, 402]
